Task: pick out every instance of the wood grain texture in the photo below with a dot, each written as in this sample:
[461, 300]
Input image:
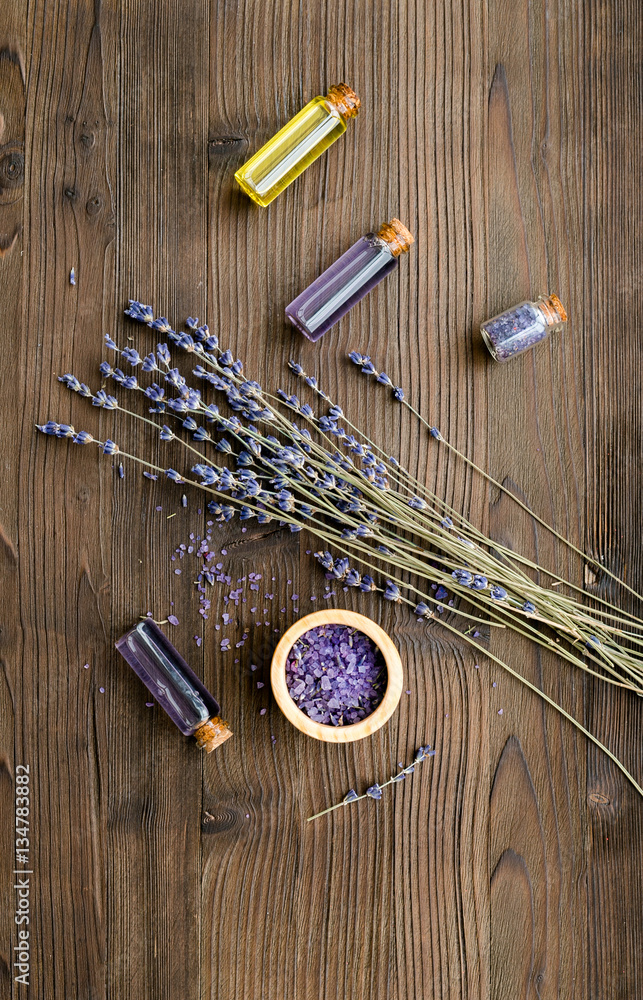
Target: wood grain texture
[506, 136]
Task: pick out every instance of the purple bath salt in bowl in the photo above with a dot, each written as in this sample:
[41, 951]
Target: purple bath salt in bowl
[336, 675]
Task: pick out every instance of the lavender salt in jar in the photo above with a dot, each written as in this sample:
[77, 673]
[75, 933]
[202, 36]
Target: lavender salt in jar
[336, 675]
[523, 326]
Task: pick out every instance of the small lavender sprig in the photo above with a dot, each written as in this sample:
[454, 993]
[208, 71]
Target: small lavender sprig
[375, 790]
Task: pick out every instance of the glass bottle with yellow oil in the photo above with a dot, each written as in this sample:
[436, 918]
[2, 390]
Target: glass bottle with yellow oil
[297, 144]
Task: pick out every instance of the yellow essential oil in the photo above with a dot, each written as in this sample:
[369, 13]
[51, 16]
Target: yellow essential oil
[297, 144]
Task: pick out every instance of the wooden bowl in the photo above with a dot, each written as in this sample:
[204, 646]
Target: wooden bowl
[358, 730]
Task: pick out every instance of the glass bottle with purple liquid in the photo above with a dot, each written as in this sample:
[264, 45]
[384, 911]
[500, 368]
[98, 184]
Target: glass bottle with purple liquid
[522, 327]
[175, 686]
[348, 280]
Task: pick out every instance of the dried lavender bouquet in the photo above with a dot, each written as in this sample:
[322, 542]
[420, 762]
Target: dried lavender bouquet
[279, 459]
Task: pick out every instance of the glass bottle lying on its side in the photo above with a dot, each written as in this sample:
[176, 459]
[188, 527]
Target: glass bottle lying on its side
[175, 686]
[523, 326]
[348, 280]
[297, 144]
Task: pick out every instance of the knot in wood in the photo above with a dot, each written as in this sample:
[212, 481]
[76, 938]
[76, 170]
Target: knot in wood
[12, 170]
[226, 145]
[94, 205]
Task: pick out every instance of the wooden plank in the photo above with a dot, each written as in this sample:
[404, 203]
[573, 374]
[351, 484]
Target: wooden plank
[63, 571]
[610, 45]
[12, 171]
[160, 99]
[537, 838]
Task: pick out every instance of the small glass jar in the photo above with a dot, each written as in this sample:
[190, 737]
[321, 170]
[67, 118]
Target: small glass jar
[523, 326]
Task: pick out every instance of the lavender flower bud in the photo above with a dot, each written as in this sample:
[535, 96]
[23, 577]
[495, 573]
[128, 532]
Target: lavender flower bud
[479, 582]
[166, 433]
[529, 608]
[357, 358]
[398, 393]
[110, 447]
[49, 428]
[374, 792]
[83, 437]
[161, 325]
[163, 353]
[423, 610]
[173, 475]
[383, 379]
[70, 381]
[434, 432]
[498, 593]
[351, 794]
[132, 356]
[110, 343]
[392, 592]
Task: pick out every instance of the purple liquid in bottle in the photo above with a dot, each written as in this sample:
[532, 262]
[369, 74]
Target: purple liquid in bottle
[348, 280]
[167, 676]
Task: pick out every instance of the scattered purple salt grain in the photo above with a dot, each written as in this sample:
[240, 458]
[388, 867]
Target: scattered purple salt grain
[260, 684]
[173, 620]
[494, 685]
[336, 675]
[102, 690]
[159, 508]
[500, 711]
[149, 704]
[262, 711]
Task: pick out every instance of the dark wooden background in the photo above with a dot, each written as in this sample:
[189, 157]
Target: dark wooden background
[507, 135]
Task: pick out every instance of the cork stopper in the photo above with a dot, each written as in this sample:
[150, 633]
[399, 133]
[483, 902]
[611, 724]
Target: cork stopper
[397, 237]
[212, 734]
[553, 310]
[344, 99]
